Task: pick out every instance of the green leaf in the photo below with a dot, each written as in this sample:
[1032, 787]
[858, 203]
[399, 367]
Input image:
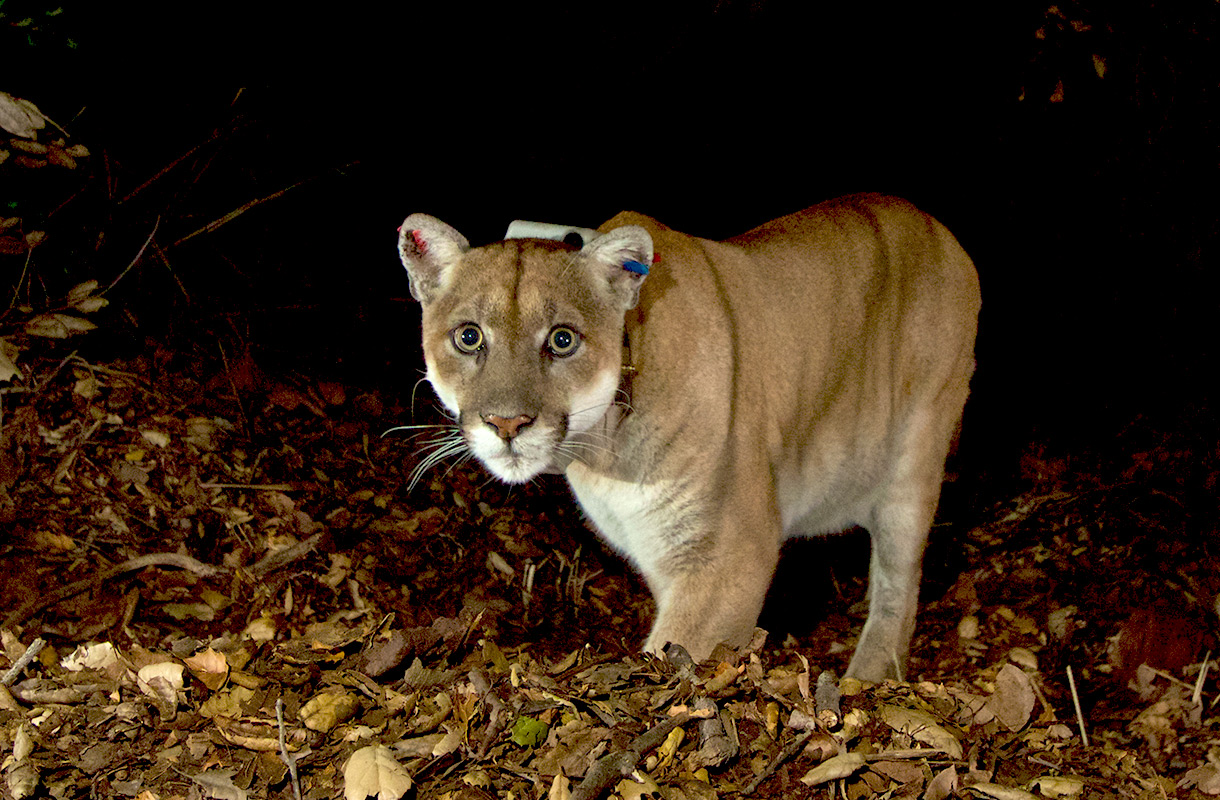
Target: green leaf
[529, 732]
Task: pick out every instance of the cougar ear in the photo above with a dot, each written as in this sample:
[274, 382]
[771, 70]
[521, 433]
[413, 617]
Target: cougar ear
[623, 255]
[429, 249]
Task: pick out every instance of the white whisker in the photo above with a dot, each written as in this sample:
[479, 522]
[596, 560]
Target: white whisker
[447, 442]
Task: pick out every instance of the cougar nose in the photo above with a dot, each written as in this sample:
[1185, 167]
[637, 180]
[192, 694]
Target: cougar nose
[508, 428]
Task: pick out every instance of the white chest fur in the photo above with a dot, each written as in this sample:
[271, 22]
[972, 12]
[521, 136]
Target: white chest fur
[641, 521]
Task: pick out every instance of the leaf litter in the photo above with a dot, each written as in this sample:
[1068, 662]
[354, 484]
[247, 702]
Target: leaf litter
[240, 599]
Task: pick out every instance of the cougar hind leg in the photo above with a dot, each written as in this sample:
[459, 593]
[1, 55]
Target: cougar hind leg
[898, 531]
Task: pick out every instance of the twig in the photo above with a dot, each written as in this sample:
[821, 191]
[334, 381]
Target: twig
[20, 280]
[135, 260]
[826, 698]
[23, 662]
[1160, 673]
[1084, 736]
[1197, 696]
[610, 768]
[164, 170]
[237, 212]
[285, 756]
[790, 750]
[281, 558]
[497, 716]
[47, 380]
[36, 604]
[254, 487]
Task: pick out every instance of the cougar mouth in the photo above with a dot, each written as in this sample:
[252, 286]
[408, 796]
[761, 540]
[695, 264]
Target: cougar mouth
[519, 458]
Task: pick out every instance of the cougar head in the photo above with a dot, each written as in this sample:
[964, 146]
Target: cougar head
[523, 338]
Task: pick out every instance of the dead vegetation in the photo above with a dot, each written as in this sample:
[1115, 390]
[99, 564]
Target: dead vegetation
[216, 584]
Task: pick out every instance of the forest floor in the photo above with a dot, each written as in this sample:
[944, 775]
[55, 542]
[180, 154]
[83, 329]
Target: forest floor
[241, 596]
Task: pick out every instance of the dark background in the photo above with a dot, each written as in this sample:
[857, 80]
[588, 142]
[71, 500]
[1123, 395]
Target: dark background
[1087, 200]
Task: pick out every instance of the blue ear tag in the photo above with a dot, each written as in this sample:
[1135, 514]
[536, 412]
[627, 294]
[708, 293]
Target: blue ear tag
[636, 267]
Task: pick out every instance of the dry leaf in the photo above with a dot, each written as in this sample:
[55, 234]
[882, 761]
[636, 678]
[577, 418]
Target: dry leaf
[103, 657]
[1001, 792]
[57, 326]
[1057, 786]
[326, 710]
[91, 304]
[155, 438]
[23, 744]
[22, 781]
[218, 783]
[155, 679]
[1013, 699]
[943, 786]
[8, 361]
[561, 788]
[209, 668]
[260, 630]
[20, 117]
[1205, 778]
[923, 727]
[834, 768]
[374, 771]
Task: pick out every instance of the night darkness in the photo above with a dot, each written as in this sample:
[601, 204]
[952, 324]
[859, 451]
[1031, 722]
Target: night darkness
[1088, 203]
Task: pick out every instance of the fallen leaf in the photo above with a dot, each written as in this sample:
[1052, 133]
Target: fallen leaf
[923, 727]
[1205, 778]
[374, 771]
[834, 768]
[20, 117]
[529, 732]
[57, 326]
[168, 671]
[943, 785]
[155, 438]
[561, 788]
[8, 361]
[209, 668]
[1057, 786]
[218, 783]
[326, 710]
[22, 781]
[1001, 792]
[23, 744]
[1013, 699]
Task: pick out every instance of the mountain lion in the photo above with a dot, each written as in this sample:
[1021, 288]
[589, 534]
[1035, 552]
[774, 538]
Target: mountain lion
[799, 379]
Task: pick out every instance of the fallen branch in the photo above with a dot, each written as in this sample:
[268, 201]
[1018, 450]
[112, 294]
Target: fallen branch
[610, 768]
[281, 558]
[790, 750]
[36, 604]
[30, 653]
[1084, 735]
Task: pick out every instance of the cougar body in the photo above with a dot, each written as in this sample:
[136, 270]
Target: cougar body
[799, 379]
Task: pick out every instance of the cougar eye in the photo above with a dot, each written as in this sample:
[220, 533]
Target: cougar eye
[563, 341]
[468, 338]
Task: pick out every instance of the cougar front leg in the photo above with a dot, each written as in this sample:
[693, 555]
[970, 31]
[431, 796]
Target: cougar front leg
[705, 598]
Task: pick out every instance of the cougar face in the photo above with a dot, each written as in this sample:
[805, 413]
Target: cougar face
[524, 351]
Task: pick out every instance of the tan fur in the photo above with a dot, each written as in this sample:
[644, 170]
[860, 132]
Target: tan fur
[799, 379]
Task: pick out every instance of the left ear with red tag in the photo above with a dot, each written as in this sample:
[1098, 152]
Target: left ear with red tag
[429, 250]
